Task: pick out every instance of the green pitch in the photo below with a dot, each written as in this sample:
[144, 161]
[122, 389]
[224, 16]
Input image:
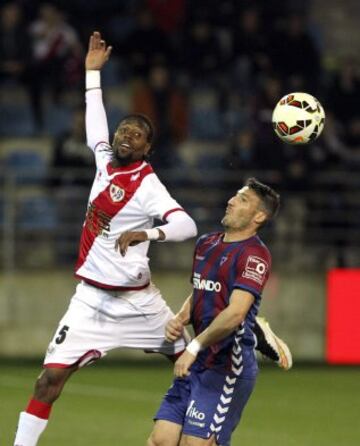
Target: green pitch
[113, 404]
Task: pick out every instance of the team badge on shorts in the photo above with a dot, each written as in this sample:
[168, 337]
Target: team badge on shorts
[116, 193]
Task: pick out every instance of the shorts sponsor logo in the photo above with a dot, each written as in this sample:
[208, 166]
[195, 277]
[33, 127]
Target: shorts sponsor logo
[196, 423]
[255, 269]
[196, 416]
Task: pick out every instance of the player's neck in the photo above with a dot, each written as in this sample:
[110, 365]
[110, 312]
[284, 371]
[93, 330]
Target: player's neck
[126, 164]
[233, 235]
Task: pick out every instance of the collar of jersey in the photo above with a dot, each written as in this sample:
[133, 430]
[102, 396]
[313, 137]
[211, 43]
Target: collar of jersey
[133, 167]
[236, 241]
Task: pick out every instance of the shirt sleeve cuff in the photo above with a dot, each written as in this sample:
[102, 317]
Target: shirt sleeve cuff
[92, 79]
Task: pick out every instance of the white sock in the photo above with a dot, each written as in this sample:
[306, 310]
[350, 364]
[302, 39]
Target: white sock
[29, 429]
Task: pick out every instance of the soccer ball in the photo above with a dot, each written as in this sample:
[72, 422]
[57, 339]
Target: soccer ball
[298, 118]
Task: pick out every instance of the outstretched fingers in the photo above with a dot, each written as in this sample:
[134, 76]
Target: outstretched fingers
[91, 42]
[97, 43]
[108, 52]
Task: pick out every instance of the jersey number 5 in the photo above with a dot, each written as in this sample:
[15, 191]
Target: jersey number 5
[62, 335]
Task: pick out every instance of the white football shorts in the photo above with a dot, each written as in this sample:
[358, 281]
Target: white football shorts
[98, 321]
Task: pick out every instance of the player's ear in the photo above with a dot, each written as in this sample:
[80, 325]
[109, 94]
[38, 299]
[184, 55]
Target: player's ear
[147, 148]
[260, 217]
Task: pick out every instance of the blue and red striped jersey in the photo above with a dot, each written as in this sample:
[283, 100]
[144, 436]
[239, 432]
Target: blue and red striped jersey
[218, 268]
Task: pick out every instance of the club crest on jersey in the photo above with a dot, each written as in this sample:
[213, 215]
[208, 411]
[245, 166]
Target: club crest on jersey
[116, 193]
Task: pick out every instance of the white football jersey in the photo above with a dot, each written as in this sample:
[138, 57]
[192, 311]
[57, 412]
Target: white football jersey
[121, 199]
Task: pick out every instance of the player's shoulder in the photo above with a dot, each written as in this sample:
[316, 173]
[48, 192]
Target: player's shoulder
[260, 244]
[150, 174]
[103, 147]
[103, 154]
[256, 247]
[209, 237]
[151, 181]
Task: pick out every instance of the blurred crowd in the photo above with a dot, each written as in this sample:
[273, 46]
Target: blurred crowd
[201, 69]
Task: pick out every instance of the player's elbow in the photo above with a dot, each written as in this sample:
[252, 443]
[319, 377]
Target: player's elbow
[235, 320]
[90, 143]
[188, 231]
[186, 224]
[180, 227]
[193, 231]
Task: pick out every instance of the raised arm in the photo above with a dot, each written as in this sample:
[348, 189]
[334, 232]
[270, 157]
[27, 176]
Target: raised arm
[96, 122]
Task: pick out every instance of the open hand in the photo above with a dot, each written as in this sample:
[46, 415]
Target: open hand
[98, 53]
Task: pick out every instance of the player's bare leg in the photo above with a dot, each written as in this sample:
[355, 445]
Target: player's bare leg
[50, 383]
[165, 433]
[33, 421]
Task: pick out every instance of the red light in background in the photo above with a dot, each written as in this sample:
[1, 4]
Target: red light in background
[343, 316]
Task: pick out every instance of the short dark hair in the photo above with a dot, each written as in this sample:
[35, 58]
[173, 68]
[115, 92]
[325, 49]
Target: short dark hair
[269, 198]
[144, 122]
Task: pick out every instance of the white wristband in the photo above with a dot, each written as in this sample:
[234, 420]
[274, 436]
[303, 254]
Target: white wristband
[92, 79]
[194, 347]
[152, 234]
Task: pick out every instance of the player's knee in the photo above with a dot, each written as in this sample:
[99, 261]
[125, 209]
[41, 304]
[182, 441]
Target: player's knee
[150, 441]
[49, 385]
[185, 441]
[157, 439]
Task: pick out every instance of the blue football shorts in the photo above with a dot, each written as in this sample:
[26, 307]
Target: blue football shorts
[207, 403]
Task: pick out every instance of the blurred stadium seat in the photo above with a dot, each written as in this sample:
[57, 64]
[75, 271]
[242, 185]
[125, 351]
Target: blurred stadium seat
[210, 161]
[114, 73]
[28, 167]
[114, 115]
[205, 117]
[212, 167]
[57, 119]
[37, 213]
[16, 119]
[205, 123]
[1, 212]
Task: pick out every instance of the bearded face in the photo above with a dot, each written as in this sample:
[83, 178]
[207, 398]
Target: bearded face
[130, 142]
[243, 210]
